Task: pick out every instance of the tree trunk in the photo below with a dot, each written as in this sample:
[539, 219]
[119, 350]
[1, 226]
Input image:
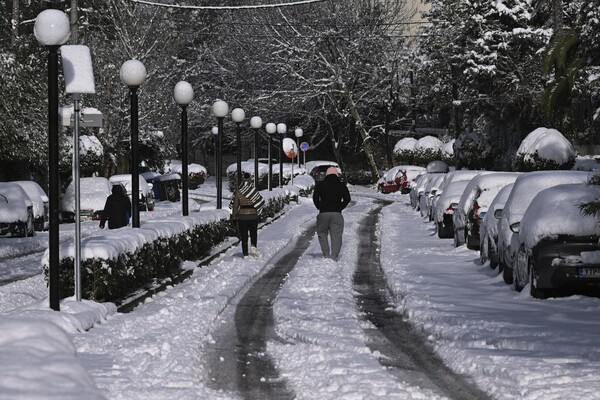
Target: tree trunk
[15, 22]
[363, 133]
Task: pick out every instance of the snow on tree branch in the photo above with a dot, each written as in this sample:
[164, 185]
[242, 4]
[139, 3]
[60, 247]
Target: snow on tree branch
[256, 6]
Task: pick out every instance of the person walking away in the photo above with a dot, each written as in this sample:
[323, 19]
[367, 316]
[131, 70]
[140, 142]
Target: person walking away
[330, 197]
[117, 209]
[246, 207]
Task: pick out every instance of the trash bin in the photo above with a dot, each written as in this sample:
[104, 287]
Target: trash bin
[166, 187]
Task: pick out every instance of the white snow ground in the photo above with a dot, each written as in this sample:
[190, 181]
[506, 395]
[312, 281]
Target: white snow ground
[515, 347]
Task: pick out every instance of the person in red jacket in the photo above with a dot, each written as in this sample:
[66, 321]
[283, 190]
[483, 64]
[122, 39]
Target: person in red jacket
[330, 197]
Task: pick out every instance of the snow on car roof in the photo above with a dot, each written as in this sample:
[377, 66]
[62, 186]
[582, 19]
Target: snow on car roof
[531, 183]
[13, 202]
[555, 211]
[125, 180]
[391, 173]
[36, 194]
[459, 175]
[93, 193]
[491, 181]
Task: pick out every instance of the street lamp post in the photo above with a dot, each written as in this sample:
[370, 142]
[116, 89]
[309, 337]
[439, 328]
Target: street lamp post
[298, 133]
[238, 115]
[220, 110]
[133, 74]
[183, 95]
[256, 124]
[52, 29]
[281, 129]
[271, 129]
[215, 132]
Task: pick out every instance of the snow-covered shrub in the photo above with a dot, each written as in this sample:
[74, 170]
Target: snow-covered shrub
[361, 177]
[544, 149]
[472, 150]
[404, 151]
[448, 152]
[91, 156]
[427, 149]
[117, 263]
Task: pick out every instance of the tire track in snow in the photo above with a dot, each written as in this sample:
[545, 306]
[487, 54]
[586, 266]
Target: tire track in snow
[404, 353]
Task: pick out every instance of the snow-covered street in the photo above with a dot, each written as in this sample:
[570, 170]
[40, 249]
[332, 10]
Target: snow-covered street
[320, 344]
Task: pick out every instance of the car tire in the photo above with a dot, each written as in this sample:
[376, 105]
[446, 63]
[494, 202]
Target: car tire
[493, 256]
[535, 292]
[29, 226]
[507, 275]
[443, 233]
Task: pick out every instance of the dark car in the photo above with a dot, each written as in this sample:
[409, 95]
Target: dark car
[318, 169]
[16, 211]
[558, 244]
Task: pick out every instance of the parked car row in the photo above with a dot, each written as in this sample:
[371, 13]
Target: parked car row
[527, 225]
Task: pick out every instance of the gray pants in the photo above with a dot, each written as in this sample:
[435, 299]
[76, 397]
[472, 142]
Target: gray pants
[330, 224]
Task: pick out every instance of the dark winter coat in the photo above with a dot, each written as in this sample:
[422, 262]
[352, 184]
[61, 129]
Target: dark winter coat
[331, 194]
[117, 209]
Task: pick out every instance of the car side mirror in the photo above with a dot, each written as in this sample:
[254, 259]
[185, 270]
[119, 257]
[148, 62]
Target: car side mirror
[515, 227]
[498, 213]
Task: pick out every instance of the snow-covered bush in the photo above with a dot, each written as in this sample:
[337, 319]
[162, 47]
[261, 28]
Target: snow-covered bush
[404, 151]
[448, 152]
[427, 149]
[544, 149]
[472, 150]
[196, 173]
[116, 263]
[91, 156]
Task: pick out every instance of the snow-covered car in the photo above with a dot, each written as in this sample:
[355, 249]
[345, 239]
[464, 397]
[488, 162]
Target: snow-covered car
[445, 206]
[16, 211]
[474, 203]
[414, 195]
[40, 203]
[146, 196]
[408, 177]
[93, 192]
[488, 233]
[426, 198]
[419, 188]
[389, 181]
[526, 187]
[559, 245]
[437, 166]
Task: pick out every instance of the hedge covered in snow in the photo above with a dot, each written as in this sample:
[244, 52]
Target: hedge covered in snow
[119, 262]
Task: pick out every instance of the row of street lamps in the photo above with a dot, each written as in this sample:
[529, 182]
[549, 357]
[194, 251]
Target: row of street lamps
[220, 110]
[52, 29]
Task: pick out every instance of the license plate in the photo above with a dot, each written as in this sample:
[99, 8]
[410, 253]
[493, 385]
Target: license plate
[589, 272]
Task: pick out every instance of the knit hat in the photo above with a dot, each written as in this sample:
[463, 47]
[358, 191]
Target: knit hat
[331, 171]
[247, 176]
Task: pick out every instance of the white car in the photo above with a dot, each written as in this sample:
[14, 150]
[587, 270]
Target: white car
[488, 233]
[474, 203]
[146, 199]
[40, 204]
[93, 192]
[526, 187]
[16, 211]
[445, 206]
